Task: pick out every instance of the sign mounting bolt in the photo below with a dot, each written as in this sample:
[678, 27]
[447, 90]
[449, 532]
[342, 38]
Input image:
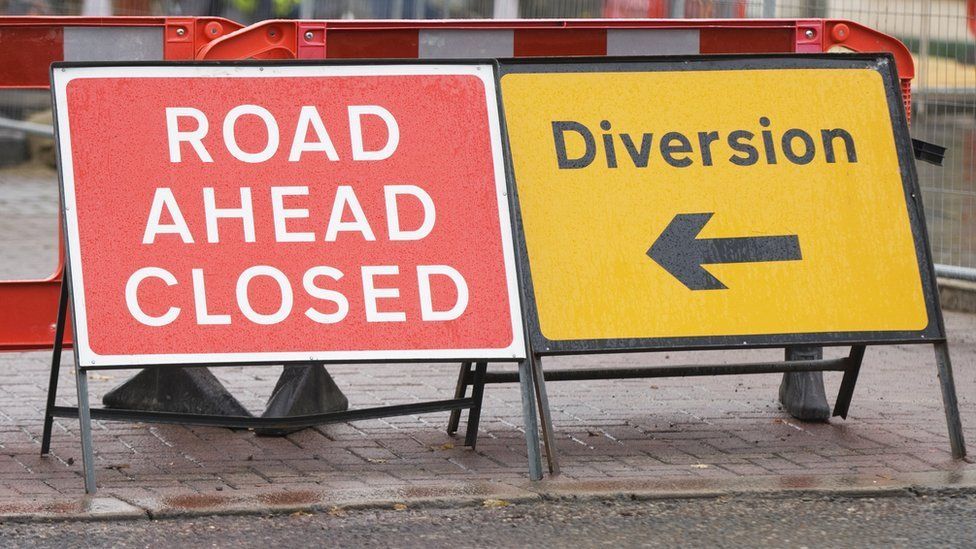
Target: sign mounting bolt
[309, 35]
[181, 32]
[809, 33]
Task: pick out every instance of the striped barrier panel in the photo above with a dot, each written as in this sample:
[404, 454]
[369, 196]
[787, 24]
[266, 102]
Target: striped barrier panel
[28, 45]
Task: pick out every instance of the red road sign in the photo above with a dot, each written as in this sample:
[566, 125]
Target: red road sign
[285, 213]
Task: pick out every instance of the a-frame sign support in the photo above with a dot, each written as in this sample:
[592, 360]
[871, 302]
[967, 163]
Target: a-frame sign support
[85, 413]
[667, 204]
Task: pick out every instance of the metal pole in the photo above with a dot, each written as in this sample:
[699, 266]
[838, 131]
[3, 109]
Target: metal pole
[478, 395]
[958, 273]
[52, 387]
[84, 418]
[817, 8]
[306, 9]
[32, 128]
[677, 9]
[529, 420]
[543, 399]
[505, 9]
[96, 8]
[459, 391]
[949, 401]
[923, 47]
[843, 403]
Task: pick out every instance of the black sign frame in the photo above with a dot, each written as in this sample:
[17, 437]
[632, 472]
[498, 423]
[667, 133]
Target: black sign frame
[528, 377]
[883, 63]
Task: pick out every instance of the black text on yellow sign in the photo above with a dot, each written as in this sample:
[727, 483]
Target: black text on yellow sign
[760, 199]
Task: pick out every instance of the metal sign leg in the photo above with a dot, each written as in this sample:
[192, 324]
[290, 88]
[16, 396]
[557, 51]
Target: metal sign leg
[52, 387]
[843, 402]
[84, 418]
[474, 414]
[949, 401]
[543, 399]
[459, 391]
[529, 420]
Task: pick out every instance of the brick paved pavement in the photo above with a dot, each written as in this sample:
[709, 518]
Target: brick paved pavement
[684, 434]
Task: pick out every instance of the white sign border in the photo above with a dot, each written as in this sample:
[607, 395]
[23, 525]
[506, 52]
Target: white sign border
[88, 358]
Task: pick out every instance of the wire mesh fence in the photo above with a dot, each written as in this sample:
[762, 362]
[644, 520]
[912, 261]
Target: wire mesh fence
[940, 34]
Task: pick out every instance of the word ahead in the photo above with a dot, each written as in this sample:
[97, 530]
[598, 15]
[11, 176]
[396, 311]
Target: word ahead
[682, 254]
[359, 215]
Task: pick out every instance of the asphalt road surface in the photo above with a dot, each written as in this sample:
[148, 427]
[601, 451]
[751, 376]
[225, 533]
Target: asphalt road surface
[927, 521]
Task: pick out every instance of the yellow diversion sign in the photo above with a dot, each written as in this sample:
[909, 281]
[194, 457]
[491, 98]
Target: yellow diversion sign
[718, 202]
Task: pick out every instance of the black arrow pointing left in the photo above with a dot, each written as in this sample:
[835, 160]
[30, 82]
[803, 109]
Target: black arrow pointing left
[680, 252]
